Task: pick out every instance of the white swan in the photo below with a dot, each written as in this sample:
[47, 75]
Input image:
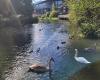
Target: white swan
[91, 49]
[80, 59]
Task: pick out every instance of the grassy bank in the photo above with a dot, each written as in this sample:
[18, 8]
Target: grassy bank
[84, 18]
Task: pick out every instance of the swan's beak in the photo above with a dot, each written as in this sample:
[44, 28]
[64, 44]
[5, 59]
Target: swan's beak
[76, 50]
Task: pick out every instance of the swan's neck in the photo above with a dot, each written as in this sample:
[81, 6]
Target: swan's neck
[49, 64]
[50, 69]
[76, 54]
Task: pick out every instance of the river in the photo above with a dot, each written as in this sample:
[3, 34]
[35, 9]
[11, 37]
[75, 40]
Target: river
[18, 51]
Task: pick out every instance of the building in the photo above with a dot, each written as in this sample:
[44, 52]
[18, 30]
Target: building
[42, 7]
[45, 6]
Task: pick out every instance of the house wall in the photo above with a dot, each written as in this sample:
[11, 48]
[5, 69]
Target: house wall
[46, 6]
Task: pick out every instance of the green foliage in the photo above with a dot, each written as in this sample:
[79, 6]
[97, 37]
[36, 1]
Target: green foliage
[53, 20]
[53, 14]
[85, 14]
[53, 7]
[48, 19]
[50, 16]
[46, 15]
[89, 29]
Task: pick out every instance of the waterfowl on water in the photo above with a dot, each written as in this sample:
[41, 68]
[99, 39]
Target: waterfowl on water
[31, 51]
[40, 29]
[38, 50]
[63, 31]
[91, 49]
[38, 68]
[63, 42]
[80, 59]
[58, 47]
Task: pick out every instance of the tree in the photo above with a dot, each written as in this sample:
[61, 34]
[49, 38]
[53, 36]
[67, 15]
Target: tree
[5, 8]
[23, 6]
[85, 14]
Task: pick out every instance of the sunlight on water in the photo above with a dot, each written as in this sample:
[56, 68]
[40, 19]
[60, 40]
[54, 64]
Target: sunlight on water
[47, 37]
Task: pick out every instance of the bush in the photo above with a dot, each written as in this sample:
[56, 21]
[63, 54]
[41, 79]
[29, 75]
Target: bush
[53, 14]
[89, 30]
[85, 15]
[47, 14]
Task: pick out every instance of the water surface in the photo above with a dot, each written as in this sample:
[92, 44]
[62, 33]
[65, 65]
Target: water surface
[18, 51]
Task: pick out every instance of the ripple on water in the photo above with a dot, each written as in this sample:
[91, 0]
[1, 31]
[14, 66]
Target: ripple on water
[48, 40]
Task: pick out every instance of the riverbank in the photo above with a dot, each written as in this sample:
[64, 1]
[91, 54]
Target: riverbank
[84, 15]
[18, 20]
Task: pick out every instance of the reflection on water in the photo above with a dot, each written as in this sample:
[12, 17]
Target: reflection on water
[12, 40]
[18, 51]
[91, 72]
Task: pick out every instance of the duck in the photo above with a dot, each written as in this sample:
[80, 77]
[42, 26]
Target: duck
[58, 47]
[63, 42]
[38, 50]
[91, 49]
[31, 51]
[80, 59]
[38, 68]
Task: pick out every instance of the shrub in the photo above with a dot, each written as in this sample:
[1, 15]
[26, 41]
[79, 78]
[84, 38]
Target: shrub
[89, 29]
[47, 14]
[85, 14]
[53, 14]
